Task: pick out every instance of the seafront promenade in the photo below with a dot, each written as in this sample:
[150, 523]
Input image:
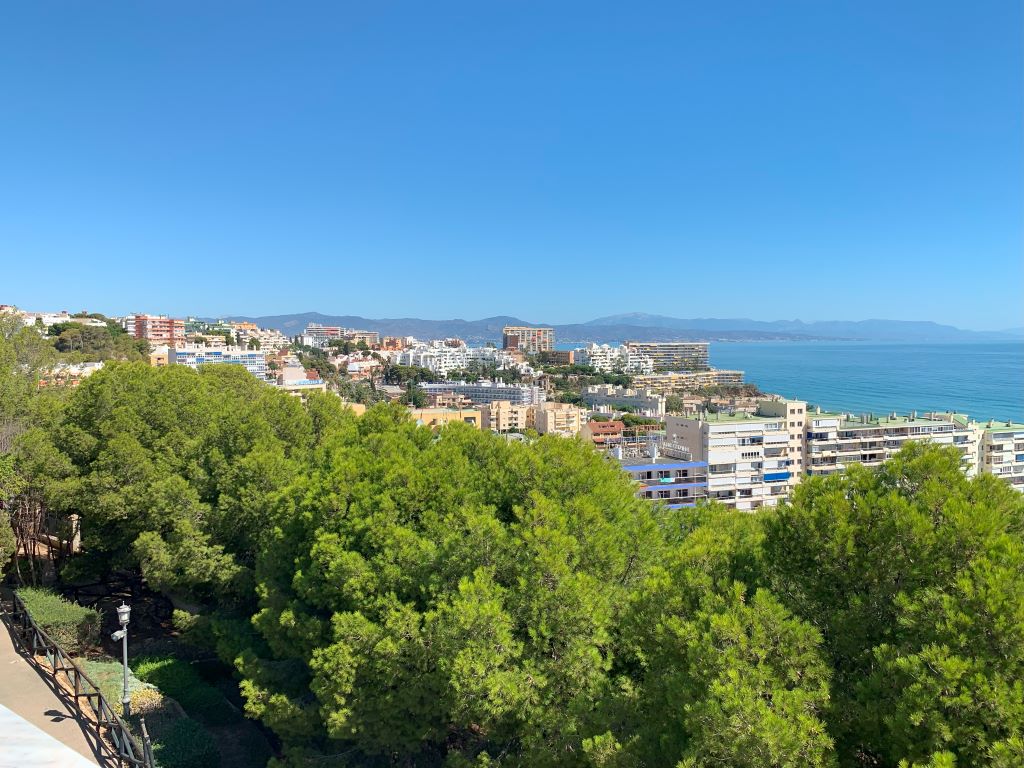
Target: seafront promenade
[37, 719]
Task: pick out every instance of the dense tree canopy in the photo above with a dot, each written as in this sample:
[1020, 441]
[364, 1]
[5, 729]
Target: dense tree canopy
[395, 596]
[915, 577]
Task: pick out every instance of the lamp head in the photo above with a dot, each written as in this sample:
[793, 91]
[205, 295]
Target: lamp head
[123, 612]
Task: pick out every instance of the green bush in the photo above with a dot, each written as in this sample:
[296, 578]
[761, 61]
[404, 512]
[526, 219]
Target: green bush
[179, 680]
[72, 627]
[186, 745]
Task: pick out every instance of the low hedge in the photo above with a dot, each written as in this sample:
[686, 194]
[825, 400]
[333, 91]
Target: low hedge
[186, 744]
[72, 627]
[179, 680]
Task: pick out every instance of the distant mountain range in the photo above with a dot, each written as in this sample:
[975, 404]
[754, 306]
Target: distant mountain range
[644, 327]
[872, 330]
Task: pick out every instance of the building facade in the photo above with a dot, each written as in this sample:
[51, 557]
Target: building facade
[159, 329]
[253, 361]
[505, 416]
[528, 340]
[834, 441]
[369, 338]
[435, 418]
[608, 397]
[603, 433]
[608, 359]
[753, 460]
[562, 419]
[677, 484]
[1001, 452]
[443, 359]
[483, 392]
[688, 381]
[674, 355]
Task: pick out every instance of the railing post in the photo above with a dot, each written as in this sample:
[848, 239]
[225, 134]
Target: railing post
[147, 745]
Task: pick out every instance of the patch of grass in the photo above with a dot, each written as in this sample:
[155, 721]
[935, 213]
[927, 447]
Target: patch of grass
[179, 680]
[109, 677]
[72, 627]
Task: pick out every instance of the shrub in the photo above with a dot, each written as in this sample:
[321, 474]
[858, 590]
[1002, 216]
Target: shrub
[8, 542]
[72, 627]
[186, 745]
[179, 680]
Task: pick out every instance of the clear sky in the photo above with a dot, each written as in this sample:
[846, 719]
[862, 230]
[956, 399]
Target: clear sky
[552, 160]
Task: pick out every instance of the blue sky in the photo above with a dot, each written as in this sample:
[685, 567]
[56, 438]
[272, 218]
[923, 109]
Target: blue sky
[552, 160]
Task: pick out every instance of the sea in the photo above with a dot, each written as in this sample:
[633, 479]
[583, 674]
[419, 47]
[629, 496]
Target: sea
[983, 380]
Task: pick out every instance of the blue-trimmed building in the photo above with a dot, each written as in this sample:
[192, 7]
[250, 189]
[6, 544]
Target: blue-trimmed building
[253, 361]
[676, 483]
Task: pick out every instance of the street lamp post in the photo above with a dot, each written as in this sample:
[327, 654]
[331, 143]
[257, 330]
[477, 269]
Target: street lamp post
[123, 612]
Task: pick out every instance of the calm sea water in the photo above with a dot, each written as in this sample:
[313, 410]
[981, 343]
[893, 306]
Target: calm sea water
[985, 381]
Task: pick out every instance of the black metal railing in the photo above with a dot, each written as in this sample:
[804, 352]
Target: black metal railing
[120, 741]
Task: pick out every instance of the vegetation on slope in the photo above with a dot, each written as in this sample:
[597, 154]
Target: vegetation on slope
[393, 596]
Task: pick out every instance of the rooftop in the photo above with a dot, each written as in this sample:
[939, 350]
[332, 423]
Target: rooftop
[1001, 426]
[724, 418]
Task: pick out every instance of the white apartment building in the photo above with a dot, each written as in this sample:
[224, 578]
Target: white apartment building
[674, 355]
[606, 358]
[1002, 452]
[442, 358]
[608, 398]
[752, 459]
[688, 381]
[253, 361]
[834, 441]
[482, 392]
[269, 340]
[562, 419]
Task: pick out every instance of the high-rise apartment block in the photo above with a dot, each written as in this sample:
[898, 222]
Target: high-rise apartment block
[1002, 452]
[752, 459]
[159, 329]
[673, 355]
[528, 340]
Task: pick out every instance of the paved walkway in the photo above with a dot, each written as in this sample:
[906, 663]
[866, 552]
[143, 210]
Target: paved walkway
[36, 698]
[25, 745]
